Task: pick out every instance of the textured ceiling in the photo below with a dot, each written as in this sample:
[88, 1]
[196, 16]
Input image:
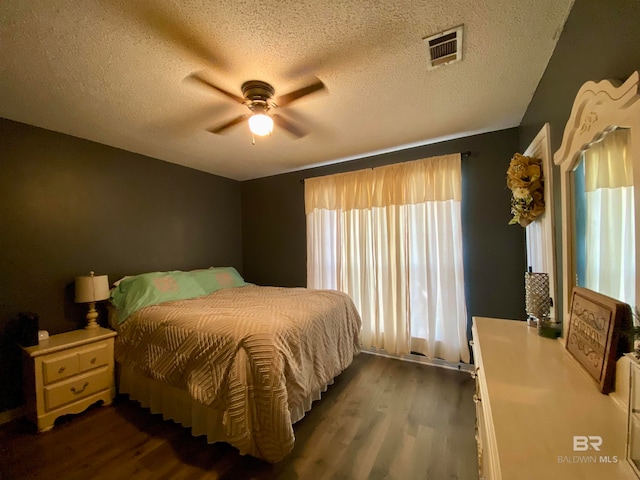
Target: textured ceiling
[115, 72]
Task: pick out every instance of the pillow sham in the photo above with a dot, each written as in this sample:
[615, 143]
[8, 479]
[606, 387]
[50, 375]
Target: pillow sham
[135, 292]
[139, 291]
[217, 278]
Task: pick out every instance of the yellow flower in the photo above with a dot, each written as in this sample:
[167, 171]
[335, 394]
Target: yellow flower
[534, 172]
[538, 196]
[516, 182]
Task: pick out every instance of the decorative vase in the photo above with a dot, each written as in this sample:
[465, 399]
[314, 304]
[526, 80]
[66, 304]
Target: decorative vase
[538, 304]
[537, 300]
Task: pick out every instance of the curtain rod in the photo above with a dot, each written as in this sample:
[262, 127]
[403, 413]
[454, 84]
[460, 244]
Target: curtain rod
[466, 153]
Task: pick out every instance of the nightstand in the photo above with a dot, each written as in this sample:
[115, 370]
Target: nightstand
[67, 373]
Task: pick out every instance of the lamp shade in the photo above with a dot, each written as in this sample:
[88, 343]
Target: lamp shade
[92, 288]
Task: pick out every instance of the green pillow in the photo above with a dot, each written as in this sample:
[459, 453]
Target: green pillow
[147, 289]
[217, 278]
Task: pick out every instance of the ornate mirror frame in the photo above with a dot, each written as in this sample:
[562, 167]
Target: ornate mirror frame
[597, 109]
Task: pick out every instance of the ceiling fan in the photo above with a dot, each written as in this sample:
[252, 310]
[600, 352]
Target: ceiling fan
[258, 97]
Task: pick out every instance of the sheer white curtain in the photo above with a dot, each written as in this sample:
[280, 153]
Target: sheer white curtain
[391, 238]
[610, 224]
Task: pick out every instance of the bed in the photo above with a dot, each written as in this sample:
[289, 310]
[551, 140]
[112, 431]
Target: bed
[236, 362]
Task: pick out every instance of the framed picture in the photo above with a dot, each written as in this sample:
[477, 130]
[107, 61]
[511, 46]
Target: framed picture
[594, 337]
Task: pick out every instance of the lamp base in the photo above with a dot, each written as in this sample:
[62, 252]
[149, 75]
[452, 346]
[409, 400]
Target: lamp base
[92, 315]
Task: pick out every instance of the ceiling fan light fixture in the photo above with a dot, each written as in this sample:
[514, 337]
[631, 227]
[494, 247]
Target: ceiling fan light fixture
[260, 124]
[257, 98]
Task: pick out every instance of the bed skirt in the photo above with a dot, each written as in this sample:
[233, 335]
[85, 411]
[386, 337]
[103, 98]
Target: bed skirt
[175, 404]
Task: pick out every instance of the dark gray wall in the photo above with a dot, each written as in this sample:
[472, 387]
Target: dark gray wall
[273, 223]
[600, 40]
[68, 206]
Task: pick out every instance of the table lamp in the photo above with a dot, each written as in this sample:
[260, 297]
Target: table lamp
[91, 289]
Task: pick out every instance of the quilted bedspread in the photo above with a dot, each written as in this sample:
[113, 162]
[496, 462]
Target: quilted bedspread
[252, 352]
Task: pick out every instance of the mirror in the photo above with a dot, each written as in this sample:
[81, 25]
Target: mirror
[603, 115]
[604, 221]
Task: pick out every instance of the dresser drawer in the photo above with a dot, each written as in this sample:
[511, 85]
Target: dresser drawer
[77, 388]
[95, 357]
[60, 367]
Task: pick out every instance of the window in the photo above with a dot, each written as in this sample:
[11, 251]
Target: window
[391, 238]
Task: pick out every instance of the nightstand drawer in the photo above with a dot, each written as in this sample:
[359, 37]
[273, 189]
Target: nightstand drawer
[94, 358]
[60, 367]
[77, 388]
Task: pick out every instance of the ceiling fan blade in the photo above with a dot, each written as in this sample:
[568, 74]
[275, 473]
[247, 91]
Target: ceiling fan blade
[288, 126]
[229, 124]
[285, 100]
[198, 78]
[170, 27]
[356, 46]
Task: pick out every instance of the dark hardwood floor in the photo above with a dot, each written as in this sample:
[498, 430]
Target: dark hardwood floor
[381, 419]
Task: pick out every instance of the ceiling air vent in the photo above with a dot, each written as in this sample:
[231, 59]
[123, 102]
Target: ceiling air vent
[444, 48]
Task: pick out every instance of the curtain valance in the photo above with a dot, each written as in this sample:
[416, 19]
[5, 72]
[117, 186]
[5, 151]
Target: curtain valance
[418, 181]
[607, 163]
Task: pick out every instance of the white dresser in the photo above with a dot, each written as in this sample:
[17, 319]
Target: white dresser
[67, 373]
[532, 399]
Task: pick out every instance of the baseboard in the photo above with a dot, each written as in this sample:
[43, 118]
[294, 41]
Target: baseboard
[12, 414]
[436, 362]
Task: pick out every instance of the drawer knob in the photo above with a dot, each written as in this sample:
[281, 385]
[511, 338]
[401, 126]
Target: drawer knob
[74, 390]
[62, 369]
[93, 360]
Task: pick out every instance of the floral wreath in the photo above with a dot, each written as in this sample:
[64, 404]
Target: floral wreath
[524, 179]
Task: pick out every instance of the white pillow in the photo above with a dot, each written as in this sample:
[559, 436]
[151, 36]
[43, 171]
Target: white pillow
[117, 282]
